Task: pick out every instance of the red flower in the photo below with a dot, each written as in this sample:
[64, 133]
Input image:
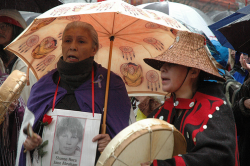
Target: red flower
[47, 119]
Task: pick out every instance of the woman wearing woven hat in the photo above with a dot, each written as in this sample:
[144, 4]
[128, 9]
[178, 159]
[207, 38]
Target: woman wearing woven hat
[197, 108]
[11, 25]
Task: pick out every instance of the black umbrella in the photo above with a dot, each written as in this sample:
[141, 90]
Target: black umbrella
[38, 6]
[238, 34]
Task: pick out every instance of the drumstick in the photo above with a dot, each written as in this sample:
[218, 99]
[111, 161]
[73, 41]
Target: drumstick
[28, 131]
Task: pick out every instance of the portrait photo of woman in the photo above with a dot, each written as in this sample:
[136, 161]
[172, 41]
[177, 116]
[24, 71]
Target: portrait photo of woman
[69, 136]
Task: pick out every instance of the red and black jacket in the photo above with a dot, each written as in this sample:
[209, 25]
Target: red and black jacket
[208, 125]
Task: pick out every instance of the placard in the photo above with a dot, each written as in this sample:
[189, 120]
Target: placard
[69, 138]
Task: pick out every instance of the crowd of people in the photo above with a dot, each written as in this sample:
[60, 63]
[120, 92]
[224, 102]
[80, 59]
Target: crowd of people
[214, 122]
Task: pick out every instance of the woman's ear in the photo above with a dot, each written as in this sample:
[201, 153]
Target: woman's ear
[194, 72]
[94, 50]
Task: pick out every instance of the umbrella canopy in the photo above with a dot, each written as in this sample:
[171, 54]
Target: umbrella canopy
[187, 14]
[218, 15]
[225, 21]
[130, 33]
[29, 16]
[238, 34]
[137, 34]
[162, 6]
[38, 6]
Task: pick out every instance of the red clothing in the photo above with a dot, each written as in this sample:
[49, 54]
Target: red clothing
[208, 126]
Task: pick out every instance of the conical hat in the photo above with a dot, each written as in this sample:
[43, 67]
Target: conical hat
[189, 49]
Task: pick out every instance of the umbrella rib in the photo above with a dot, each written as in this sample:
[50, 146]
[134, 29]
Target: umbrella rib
[99, 24]
[103, 33]
[244, 43]
[126, 26]
[113, 24]
[138, 33]
[135, 43]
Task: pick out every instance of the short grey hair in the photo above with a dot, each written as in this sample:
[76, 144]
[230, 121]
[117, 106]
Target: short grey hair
[72, 125]
[88, 27]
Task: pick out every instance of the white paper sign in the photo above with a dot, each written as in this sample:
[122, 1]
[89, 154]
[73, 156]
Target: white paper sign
[69, 138]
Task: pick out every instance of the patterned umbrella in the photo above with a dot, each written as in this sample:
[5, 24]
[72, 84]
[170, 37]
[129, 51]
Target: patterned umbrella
[125, 31]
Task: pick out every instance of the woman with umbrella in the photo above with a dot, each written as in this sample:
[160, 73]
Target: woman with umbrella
[77, 84]
[197, 108]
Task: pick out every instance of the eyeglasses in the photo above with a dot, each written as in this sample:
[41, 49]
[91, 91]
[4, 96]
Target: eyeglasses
[4, 27]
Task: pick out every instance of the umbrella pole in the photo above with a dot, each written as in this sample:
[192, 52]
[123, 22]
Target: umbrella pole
[103, 128]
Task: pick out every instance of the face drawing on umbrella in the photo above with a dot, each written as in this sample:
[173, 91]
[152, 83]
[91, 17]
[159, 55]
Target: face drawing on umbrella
[78, 42]
[46, 46]
[132, 74]
[69, 133]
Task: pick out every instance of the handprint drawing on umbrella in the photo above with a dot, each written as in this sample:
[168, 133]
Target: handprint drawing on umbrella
[60, 11]
[46, 62]
[155, 43]
[127, 52]
[32, 40]
[153, 81]
[150, 25]
[77, 8]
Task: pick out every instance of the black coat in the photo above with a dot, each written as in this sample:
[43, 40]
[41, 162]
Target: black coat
[242, 119]
[207, 123]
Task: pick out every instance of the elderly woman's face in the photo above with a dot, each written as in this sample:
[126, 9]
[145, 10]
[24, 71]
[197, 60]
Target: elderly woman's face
[77, 45]
[5, 34]
[68, 143]
[172, 76]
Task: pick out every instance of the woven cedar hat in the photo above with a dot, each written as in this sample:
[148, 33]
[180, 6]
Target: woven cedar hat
[189, 49]
[12, 16]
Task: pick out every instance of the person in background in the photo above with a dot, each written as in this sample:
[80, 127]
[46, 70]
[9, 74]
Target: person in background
[238, 72]
[10, 127]
[231, 60]
[146, 104]
[241, 110]
[11, 25]
[197, 108]
[72, 79]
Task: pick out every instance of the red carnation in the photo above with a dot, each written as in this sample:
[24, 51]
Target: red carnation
[47, 119]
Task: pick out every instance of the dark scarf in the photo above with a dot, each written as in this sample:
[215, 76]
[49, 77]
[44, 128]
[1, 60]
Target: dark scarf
[74, 74]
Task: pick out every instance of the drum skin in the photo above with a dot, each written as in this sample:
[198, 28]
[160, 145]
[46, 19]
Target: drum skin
[143, 141]
[11, 90]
